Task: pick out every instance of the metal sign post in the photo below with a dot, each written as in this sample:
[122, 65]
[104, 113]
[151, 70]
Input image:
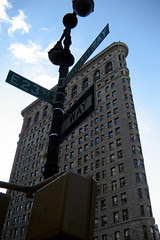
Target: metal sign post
[62, 57]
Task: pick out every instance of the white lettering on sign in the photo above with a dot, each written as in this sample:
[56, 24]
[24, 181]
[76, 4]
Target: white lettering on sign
[14, 79]
[77, 112]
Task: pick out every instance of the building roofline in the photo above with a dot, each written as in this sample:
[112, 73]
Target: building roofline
[108, 49]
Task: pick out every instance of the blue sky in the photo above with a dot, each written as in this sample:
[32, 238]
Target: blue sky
[28, 29]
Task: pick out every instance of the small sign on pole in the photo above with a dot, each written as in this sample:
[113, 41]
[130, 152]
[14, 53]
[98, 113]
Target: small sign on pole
[78, 112]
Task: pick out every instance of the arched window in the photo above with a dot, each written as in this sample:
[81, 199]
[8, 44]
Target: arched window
[45, 111]
[96, 75]
[109, 67]
[85, 83]
[74, 91]
[29, 122]
[36, 117]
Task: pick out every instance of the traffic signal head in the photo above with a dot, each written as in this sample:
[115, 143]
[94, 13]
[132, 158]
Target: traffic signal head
[64, 209]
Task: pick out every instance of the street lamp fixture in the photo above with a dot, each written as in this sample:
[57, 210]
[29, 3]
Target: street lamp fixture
[60, 55]
[83, 7]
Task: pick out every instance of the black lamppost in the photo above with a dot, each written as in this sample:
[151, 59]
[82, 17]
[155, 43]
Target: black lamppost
[60, 55]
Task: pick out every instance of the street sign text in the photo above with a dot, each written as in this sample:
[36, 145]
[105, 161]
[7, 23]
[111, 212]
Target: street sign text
[88, 53]
[30, 87]
[78, 112]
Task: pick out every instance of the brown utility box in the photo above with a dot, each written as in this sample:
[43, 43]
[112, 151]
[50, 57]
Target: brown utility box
[4, 203]
[64, 209]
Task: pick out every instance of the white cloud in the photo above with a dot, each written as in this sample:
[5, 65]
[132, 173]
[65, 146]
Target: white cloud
[31, 53]
[4, 5]
[18, 22]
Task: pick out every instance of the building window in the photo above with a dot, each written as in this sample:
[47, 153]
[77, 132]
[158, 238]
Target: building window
[135, 163]
[125, 214]
[72, 154]
[132, 137]
[115, 110]
[85, 169]
[86, 127]
[116, 121]
[45, 111]
[133, 149]
[113, 85]
[112, 157]
[146, 193]
[109, 67]
[109, 124]
[110, 134]
[103, 204]
[113, 171]
[149, 209]
[122, 182]
[137, 178]
[79, 150]
[113, 93]
[108, 106]
[85, 84]
[117, 235]
[145, 232]
[117, 131]
[104, 237]
[71, 165]
[118, 142]
[74, 91]
[96, 223]
[114, 102]
[144, 178]
[97, 163]
[142, 211]
[126, 234]
[114, 185]
[98, 176]
[107, 89]
[96, 75]
[116, 217]
[96, 140]
[109, 114]
[141, 163]
[86, 137]
[104, 188]
[86, 158]
[86, 146]
[103, 221]
[123, 198]
[119, 154]
[66, 157]
[121, 167]
[36, 117]
[80, 140]
[80, 130]
[115, 201]
[140, 193]
[111, 146]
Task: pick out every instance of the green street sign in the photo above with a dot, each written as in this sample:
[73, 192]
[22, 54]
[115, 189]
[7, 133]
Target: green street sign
[30, 87]
[88, 53]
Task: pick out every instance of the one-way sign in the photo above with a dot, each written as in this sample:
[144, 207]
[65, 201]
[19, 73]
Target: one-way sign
[78, 112]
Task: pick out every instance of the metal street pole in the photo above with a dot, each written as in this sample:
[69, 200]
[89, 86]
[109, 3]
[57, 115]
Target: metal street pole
[61, 56]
